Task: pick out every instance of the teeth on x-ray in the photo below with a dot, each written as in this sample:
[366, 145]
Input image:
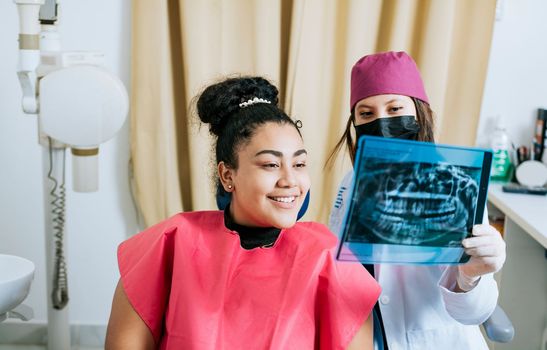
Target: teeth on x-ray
[417, 203]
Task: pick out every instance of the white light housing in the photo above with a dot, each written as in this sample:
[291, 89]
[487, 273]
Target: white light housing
[82, 106]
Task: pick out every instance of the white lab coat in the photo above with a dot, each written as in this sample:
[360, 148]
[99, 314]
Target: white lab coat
[419, 310]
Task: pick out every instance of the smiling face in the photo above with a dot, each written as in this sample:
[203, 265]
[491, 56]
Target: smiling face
[383, 106]
[271, 180]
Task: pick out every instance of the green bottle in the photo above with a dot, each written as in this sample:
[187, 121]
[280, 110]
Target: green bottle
[502, 169]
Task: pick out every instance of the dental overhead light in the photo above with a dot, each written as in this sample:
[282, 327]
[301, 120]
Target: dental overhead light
[79, 105]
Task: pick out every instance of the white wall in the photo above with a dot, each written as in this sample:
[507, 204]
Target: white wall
[96, 222]
[516, 84]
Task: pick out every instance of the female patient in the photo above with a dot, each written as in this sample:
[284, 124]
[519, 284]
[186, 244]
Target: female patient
[249, 277]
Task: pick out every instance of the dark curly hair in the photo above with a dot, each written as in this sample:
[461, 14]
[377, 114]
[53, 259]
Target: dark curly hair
[232, 125]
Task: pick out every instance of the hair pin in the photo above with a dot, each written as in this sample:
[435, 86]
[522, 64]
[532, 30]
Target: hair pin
[253, 101]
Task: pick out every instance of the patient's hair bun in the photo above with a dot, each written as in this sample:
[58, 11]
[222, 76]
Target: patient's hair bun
[220, 102]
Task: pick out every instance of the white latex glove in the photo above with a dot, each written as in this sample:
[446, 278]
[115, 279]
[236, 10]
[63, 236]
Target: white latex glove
[487, 250]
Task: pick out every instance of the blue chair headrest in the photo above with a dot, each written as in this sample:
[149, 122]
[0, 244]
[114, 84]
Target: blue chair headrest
[224, 198]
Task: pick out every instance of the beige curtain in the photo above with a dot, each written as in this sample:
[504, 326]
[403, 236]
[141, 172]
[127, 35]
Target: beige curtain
[307, 48]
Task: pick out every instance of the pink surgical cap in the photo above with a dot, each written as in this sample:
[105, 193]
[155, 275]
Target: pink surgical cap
[386, 73]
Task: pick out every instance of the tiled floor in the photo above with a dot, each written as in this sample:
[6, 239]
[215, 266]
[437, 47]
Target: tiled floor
[87, 336]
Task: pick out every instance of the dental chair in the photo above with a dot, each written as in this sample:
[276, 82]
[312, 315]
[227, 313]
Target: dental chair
[498, 326]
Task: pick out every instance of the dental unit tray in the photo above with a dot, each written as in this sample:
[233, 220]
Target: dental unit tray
[413, 202]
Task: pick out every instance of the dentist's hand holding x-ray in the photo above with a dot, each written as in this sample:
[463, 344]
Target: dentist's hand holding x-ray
[487, 251]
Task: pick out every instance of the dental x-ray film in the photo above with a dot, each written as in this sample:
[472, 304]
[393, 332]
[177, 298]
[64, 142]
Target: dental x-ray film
[413, 202]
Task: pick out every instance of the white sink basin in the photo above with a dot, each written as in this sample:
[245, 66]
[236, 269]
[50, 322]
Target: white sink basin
[16, 274]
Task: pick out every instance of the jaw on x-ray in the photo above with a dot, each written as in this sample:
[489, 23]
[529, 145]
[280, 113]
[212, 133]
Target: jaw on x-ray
[414, 203]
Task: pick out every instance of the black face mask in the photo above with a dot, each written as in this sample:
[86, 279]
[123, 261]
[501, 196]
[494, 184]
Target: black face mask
[403, 127]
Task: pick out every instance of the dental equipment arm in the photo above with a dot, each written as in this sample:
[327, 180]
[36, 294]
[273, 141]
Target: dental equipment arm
[29, 51]
[79, 104]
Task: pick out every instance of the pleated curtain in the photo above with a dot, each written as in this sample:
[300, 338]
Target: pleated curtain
[306, 48]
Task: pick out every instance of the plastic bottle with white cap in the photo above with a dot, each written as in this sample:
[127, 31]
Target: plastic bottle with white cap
[500, 144]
